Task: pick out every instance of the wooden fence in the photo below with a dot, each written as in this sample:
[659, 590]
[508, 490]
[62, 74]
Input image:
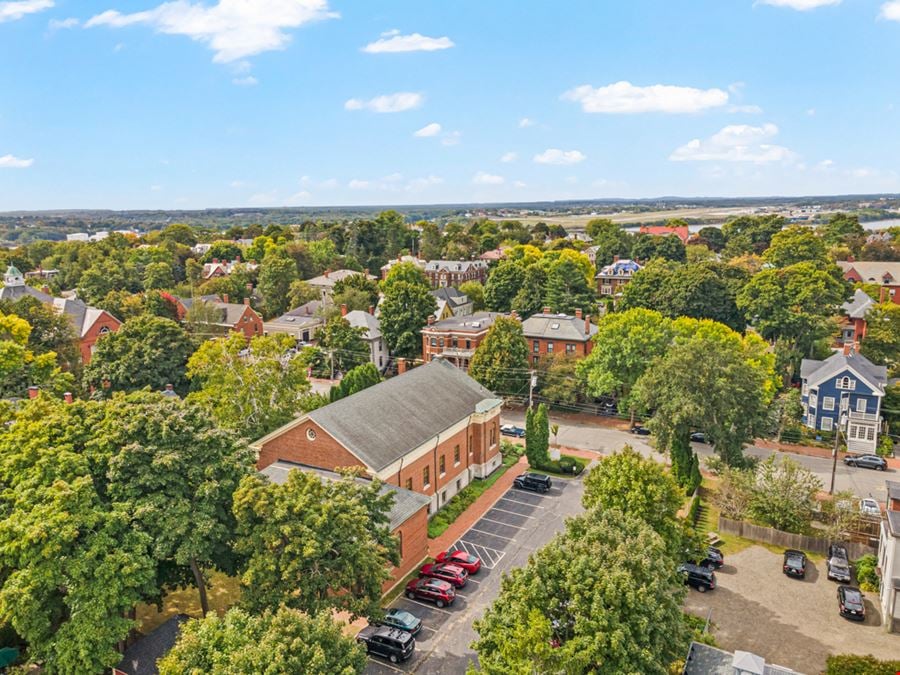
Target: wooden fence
[770, 535]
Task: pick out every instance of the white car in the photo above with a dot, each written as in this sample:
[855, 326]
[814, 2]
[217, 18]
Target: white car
[869, 507]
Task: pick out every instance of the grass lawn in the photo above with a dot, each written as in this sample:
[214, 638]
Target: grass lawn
[224, 592]
[465, 498]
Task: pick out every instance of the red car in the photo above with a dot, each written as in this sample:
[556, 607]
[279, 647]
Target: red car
[467, 561]
[453, 574]
[439, 592]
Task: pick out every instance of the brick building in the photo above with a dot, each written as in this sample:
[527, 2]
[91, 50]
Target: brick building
[611, 278]
[443, 273]
[456, 338]
[548, 333]
[854, 324]
[680, 231]
[431, 431]
[221, 316]
[884, 274]
[415, 260]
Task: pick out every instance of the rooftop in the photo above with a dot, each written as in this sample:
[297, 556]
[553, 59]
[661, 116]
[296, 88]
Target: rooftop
[818, 371]
[474, 323]
[359, 319]
[878, 272]
[331, 278]
[558, 327]
[859, 305]
[705, 660]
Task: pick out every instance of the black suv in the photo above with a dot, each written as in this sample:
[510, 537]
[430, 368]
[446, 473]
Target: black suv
[867, 462]
[701, 578]
[838, 563]
[794, 563]
[536, 482]
[391, 643]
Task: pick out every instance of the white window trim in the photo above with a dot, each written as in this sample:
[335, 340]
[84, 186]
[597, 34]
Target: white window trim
[830, 424]
[828, 403]
[811, 420]
[861, 405]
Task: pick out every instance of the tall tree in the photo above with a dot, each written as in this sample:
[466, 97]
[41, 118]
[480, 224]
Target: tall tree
[474, 290]
[567, 288]
[50, 331]
[249, 390]
[502, 285]
[882, 341]
[357, 290]
[407, 272]
[750, 234]
[404, 312]
[841, 228]
[610, 239]
[147, 351]
[277, 642]
[530, 298]
[603, 597]
[796, 244]
[431, 241]
[537, 436]
[20, 367]
[339, 529]
[500, 362]
[276, 274]
[343, 345]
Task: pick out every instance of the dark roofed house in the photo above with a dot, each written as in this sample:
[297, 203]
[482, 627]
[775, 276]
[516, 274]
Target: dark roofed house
[706, 660]
[549, 333]
[141, 657]
[455, 272]
[451, 302]
[222, 316]
[302, 322]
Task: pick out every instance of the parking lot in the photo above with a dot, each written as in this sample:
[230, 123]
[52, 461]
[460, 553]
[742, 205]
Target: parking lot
[790, 622]
[518, 523]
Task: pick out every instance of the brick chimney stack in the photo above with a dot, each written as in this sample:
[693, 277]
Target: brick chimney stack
[247, 301]
[45, 289]
[33, 391]
[344, 310]
[615, 258]
[401, 366]
[547, 310]
[578, 313]
[170, 387]
[327, 272]
[431, 319]
[67, 397]
[225, 298]
[587, 325]
[372, 310]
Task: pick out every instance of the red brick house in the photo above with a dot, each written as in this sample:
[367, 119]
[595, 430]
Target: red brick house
[548, 333]
[884, 274]
[613, 277]
[223, 316]
[456, 338]
[443, 273]
[431, 431]
[853, 326]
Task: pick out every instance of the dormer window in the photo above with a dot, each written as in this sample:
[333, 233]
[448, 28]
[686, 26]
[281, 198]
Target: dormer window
[846, 383]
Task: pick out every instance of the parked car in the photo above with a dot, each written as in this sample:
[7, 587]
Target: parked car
[536, 482]
[640, 430]
[701, 578]
[434, 590]
[390, 643]
[869, 507]
[850, 602]
[838, 563]
[402, 620]
[794, 564]
[451, 573]
[512, 430]
[470, 563]
[698, 437]
[714, 558]
[866, 462]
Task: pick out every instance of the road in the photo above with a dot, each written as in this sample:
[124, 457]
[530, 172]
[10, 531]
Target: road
[604, 440]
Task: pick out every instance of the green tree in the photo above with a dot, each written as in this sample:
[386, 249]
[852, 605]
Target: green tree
[530, 298]
[854, 664]
[356, 290]
[625, 345]
[404, 312]
[108, 274]
[276, 642]
[784, 494]
[50, 331]
[537, 436]
[221, 250]
[158, 275]
[276, 274]
[502, 285]
[357, 379]
[407, 272]
[431, 241]
[559, 380]
[251, 391]
[796, 244]
[567, 289]
[610, 239]
[841, 228]
[20, 366]
[338, 529]
[474, 290]
[882, 341]
[712, 237]
[179, 233]
[603, 597]
[500, 362]
[147, 351]
[175, 473]
[344, 345]
[750, 234]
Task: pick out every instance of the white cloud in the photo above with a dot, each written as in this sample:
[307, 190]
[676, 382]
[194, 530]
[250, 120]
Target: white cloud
[519, 184]
[556, 156]
[811, 112]
[301, 196]
[233, 29]
[156, 188]
[238, 184]
[626, 98]
[483, 178]
[246, 81]
[800, 5]
[357, 184]
[526, 122]
[428, 130]
[387, 103]
[451, 138]
[509, 157]
[13, 162]
[12, 11]
[863, 172]
[328, 184]
[394, 43]
[62, 24]
[735, 143]
[891, 10]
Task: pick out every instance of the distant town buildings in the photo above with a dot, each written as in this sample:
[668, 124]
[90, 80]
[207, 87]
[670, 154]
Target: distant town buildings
[442, 273]
[324, 283]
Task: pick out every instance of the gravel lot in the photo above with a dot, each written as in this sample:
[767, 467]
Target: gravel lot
[791, 622]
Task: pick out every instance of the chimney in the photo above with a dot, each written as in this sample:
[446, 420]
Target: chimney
[366, 272]
[225, 298]
[881, 293]
[848, 349]
[45, 289]
[247, 301]
[67, 397]
[344, 310]
[327, 272]
[578, 313]
[514, 314]
[372, 310]
[401, 366]
[215, 261]
[587, 325]
[547, 310]
[238, 259]
[33, 391]
[615, 258]
[170, 387]
[431, 319]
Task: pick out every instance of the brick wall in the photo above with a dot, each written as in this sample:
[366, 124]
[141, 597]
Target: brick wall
[106, 321]
[295, 446]
[250, 323]
[582, 349]
[414, 546]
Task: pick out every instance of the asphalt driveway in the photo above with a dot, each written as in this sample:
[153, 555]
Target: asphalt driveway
[790, 622]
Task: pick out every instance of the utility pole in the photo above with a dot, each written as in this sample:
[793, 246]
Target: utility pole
[331, 355]
[837, 441]
[532, 382]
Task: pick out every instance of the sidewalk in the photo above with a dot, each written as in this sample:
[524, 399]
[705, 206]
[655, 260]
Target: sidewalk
[811, 451]
[481, 506]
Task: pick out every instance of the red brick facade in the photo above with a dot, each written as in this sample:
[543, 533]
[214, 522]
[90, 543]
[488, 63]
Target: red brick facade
[455, 338]
[250, 323]
[413, 538]
[443, 273]
[105, 323]
[294, 445]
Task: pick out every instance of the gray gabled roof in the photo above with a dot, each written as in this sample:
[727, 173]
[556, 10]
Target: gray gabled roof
[859, 306]
[359, 319]
[406, 502]
[557, 327]
[815, 372]
[381, 424]
[140, 658]
[15, 293]
[450, 295]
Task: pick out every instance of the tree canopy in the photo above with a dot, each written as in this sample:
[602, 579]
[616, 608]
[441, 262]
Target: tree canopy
[404, 312]
[500, 362]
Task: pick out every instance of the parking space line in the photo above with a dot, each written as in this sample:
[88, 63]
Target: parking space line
[516, 501]
[474, 581]
[424, 627]
[387, 665]
[434, 607]
[512, 513]
[472, 529]
[500, 522]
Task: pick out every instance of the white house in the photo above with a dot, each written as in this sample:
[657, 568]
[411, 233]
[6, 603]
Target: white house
[889, 557]
[378, 351]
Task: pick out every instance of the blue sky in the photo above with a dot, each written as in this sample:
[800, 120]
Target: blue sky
[205, 103]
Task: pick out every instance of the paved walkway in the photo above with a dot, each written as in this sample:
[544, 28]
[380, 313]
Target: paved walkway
[481, 506]
[812, 451]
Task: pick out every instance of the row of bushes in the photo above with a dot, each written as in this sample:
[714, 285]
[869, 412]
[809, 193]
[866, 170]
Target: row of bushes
[866, 575]
[564, 465]
[694, 509]
[853, 664]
